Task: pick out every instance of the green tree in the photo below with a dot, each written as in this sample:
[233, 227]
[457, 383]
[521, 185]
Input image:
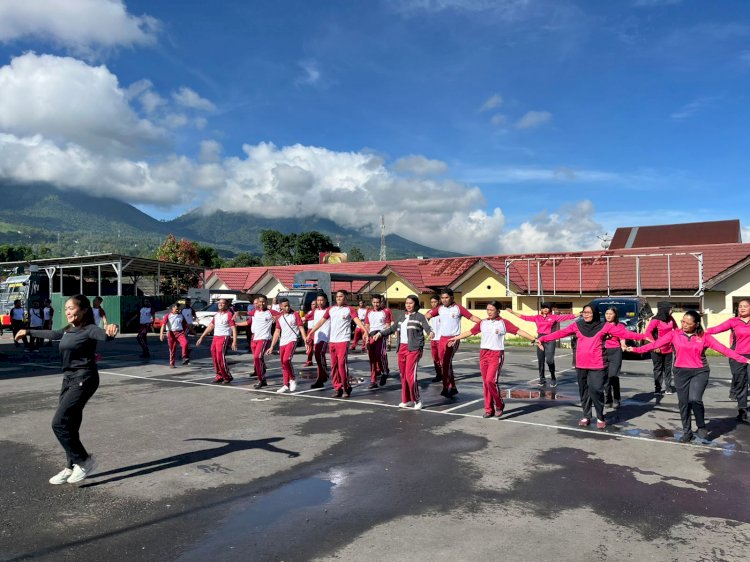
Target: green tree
[209, 257]
[243, 259]
[286, 249]
[179, 251]
[355, 254]
[9, 252]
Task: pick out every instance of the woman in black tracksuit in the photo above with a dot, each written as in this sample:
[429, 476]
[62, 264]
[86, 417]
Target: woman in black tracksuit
[80, 381]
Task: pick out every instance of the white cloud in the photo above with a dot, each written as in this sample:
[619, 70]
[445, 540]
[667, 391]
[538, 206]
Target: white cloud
[67, 100]
[80, 25]
[35, 159]
[690, 109]
[572, 227]
[210, 151]
[498, 120]
[532, 119]
[746, 234]
[189, 98]
[311, 73]
[514, 174]
[505, 9]
[496, 100]
[420, 166]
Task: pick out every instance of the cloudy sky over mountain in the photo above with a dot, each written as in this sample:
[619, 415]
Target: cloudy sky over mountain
[473, 125]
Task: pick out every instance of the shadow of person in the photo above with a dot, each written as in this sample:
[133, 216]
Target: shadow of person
[228, 446]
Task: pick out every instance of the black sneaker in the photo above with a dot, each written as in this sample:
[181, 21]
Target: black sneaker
[488, 415]
[702, 433]
[553, 382]
[260, 384]
[373, 386]
[186, 361]
[732, 395]
[687, 437]
[347, 392]
[437, 378]
[452, 391]
[338, 393]
[542, 382]
[383, 379]
[445, 393]
[742, 416]
[317, 385]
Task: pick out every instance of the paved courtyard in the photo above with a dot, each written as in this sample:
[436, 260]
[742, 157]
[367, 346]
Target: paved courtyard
[193, 471]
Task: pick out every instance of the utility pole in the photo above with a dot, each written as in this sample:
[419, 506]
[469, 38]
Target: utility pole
[382, 238]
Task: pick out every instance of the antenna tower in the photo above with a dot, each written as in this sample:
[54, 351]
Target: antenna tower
[382, 238]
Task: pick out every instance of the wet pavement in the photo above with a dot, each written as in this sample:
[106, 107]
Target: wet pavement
[193, 471]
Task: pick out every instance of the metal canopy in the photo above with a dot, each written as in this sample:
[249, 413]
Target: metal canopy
[120, 265]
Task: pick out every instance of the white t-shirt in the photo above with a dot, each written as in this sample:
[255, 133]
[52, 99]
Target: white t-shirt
[17, 313]
[223, 322]
[435, 325]
[379, 319]
[403, 336]
[289, 324]
[341, 322]
[450, 319]
[493, 333]
[187, 314]
[147, 315]
[47, 313]
[174, 322]
[36, 318]
[362, 313]
[262, 323]
[324, 332]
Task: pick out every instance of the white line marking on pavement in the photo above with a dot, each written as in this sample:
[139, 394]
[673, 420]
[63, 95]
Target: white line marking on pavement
[462, 405]
[429, 411]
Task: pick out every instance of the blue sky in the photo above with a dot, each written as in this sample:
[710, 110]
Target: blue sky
[472, 125]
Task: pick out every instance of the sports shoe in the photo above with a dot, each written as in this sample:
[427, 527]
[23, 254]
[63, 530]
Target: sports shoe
[418, 405]
[542, 382]
[347, 392]
[668, 391]
[608, 405]
[616, 404]
[83, 470]
[488, 415]
[406, 404]
[373, 386]
[437, 378]
[445, 393]
[292, 385]
[338, 393]
[318, 384]
[553, 382]
[383, 379]
[687, 437]
[499, 413]
[702, 433]
[185, 360]
[732, 395]
[283, 389]
[601, 424]
[583, 422]
[62, 476]
[452, 391]
[260, 384]
[741, 416]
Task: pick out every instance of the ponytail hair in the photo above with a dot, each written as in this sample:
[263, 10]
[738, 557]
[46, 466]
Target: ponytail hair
[697, 319]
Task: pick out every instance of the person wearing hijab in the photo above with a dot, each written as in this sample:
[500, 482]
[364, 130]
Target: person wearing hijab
[662, 324]
[591, 360]
[691, 369]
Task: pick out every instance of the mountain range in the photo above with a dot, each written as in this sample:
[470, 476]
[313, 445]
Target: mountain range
[69, 222]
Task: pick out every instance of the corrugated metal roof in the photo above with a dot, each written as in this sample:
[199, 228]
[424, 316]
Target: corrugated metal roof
[695, 233]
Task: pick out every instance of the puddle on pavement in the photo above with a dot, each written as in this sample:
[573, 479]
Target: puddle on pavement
[262, 512]
[527, 394]
[664, 434]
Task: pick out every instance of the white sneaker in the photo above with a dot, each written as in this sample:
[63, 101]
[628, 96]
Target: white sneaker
[283, 389]
[292, 385]
[406, 404]
[81, 471]
[418, 405]
[61, 477]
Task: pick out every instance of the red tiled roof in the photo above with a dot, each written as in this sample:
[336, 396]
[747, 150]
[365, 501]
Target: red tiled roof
[695, 233]
[557, 274]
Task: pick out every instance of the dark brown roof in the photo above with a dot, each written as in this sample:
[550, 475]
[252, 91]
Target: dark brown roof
[694, 233]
